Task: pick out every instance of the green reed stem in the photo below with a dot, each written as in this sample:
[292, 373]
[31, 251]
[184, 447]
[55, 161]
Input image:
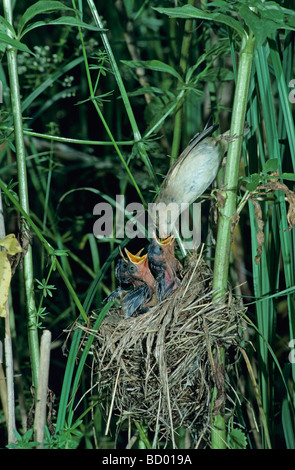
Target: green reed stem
[23, 197]
[68, 140]
[223, 245]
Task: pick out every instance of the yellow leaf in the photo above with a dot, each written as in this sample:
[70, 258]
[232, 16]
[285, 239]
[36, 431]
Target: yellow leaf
[5, 278]
[11, 244]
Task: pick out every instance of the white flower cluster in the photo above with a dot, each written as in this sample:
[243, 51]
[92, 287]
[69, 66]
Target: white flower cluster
[43, 63]
[39, 62]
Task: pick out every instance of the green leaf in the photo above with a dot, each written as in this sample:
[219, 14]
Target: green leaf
[255, 179]
[39, 8]
[262, 27]
[156, 65]
[271, 165]
[266, 20]
[188, 11]
[60, 253]
[272, 11]
[215, 73]
[288, 424]
[160, 113]
[63, 20]
[237, 439]
[148, 89]
[5, 39]
[288, 176]
[4, 25]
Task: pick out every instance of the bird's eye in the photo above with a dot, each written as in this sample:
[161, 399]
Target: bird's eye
[132, 269]
[157, 250]
[122, 266]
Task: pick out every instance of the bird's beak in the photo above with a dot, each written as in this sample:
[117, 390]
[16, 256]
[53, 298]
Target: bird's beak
[136, 259]
[166, 242]
[130, 254]
[165, 264]
[167, 247]
[142, 265]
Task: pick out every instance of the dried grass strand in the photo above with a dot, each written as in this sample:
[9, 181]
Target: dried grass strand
[158, 368]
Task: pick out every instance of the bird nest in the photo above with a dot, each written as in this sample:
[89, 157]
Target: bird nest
[160, 367]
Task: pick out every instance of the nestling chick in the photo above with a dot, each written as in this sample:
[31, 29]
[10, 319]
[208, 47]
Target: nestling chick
[142, 297]
[190, 176]
[123, 272]
[164, 265]
[134, 272]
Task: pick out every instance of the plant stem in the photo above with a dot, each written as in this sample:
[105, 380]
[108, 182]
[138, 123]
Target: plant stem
[48, 248]
[40, 417]
[10, 388]
[184, 54]
[96, 105]
[125, 98]
[7, 385]
[223, 245]
[23, 197]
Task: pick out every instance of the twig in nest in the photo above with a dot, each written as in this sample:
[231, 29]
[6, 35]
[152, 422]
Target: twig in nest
[112, 404]
[155, 368]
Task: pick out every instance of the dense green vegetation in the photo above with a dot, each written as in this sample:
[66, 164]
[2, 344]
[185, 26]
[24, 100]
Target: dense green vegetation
[98, 97]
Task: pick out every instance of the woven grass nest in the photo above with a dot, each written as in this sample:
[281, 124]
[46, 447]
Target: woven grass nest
[158, 368]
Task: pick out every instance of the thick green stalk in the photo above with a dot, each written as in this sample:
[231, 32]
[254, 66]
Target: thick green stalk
[223, 245]
[23, 197]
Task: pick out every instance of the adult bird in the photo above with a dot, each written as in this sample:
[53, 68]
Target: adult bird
[189, 177]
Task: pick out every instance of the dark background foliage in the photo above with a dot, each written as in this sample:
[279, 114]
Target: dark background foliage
[66, 180]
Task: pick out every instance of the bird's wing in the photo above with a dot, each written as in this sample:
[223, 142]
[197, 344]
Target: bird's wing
[115, 295]
[208, 131]
[135, 299]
